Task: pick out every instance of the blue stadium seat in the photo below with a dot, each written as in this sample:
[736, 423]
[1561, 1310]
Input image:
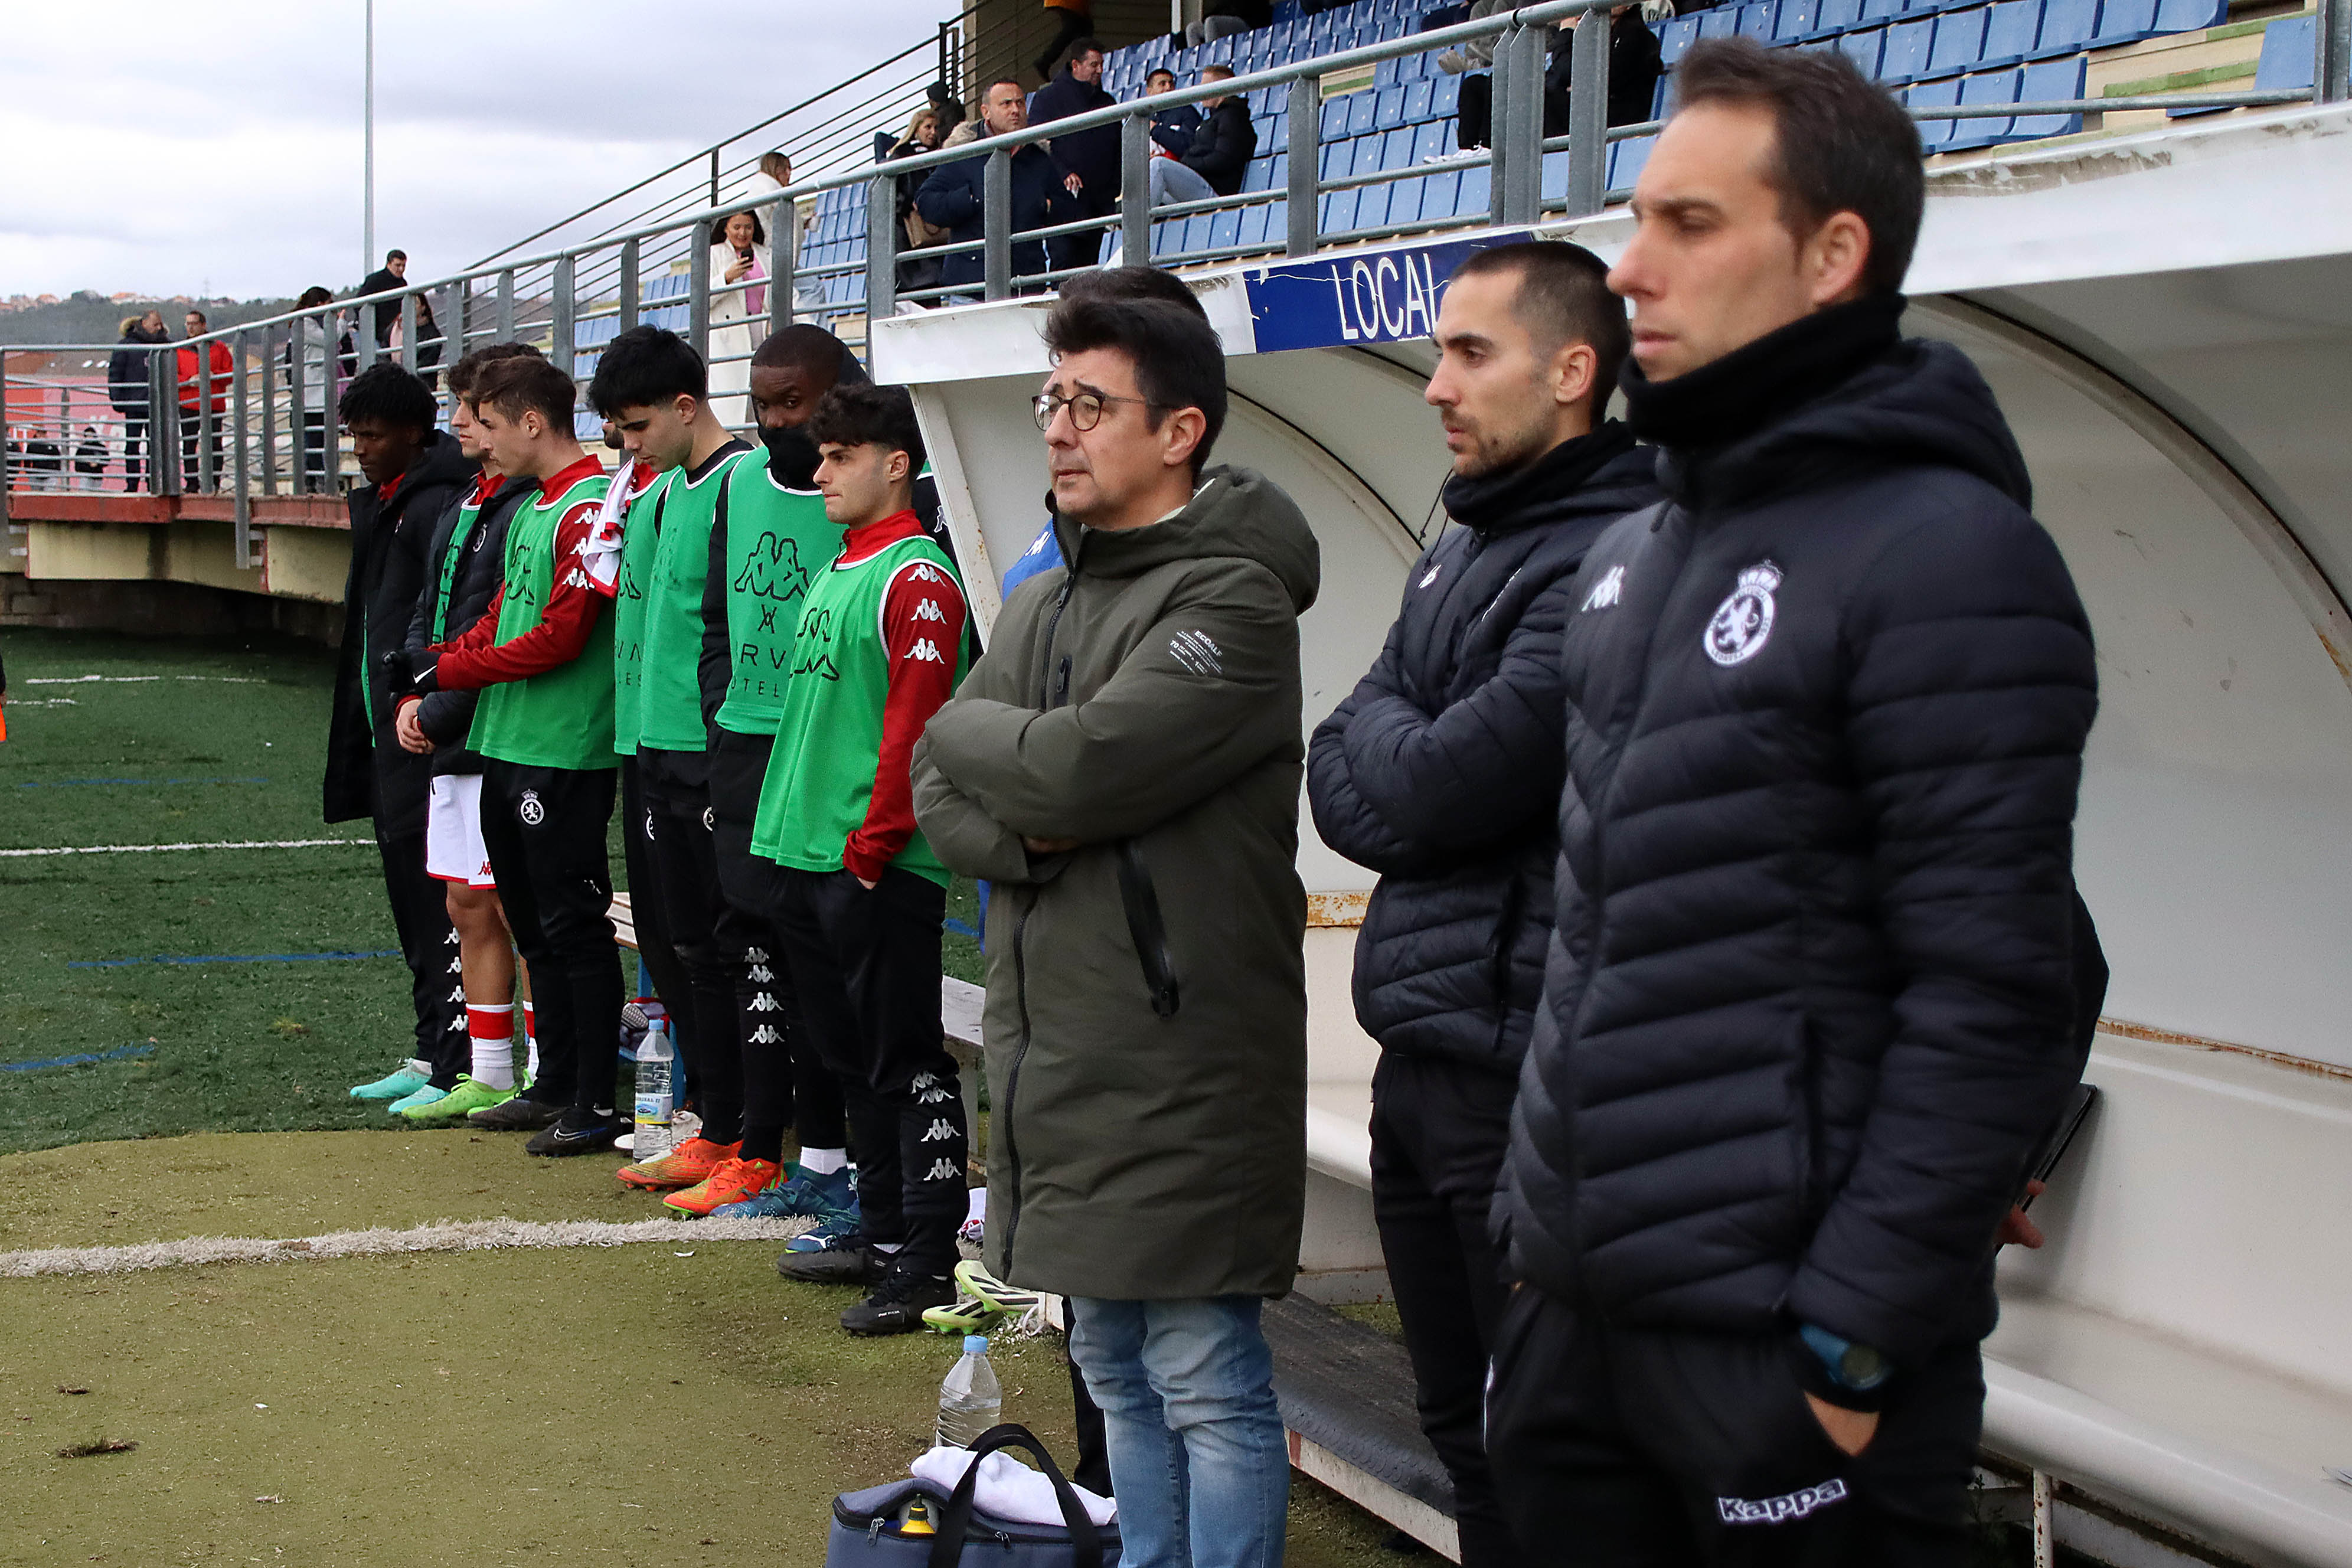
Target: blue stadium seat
[1361, 108]
[1555, 177]
[1446, 96]
[1253, 227]
[1942, 92]
[1335, 118]
[1477, 197]
[1396, 149]
[1904, 57]
[2066, 27]
[2050, 81]
[1385, 74]
[1793, 21]
[1417, 101]
[2008, 31]
[1833, 16]
[2286, 60]
[1338, 211]
[1881, 10]
[2124, 22]
[1372, 206]
[1404, 201]
[1388, 110]
[1721, 22]
[1680, 34]
[1755, 21]
[1984, 87]
[1440, 195]
[2187, 15]
[1658, 97]
[1259, 176]
[1332, 160]
[1281, 179]
[1625, 160]
[1960, 39]
[1430, 139]
[1863, 47]
[1224, 228]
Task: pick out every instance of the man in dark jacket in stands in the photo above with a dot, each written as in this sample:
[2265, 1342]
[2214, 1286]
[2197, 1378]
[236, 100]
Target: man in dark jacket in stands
[1218, 158]
[130, 391]
[1810, 1004]
[412, 473]
[1086, 161]
[954, 197]
[1441, 771]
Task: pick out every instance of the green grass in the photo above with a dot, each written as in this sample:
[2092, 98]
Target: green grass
[262, 1047]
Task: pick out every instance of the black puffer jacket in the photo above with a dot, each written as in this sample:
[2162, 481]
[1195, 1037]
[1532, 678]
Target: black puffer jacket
[446, 717]
[1809, 1002]
[368, 772]
[1442, 770]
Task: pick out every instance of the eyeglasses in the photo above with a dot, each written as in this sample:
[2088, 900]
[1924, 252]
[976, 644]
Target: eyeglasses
[1086, 408]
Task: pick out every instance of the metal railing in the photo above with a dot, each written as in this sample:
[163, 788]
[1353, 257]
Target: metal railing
[265, 424]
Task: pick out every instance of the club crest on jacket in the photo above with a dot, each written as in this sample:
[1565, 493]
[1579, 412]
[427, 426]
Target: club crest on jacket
[1744, 620]
[531, 812]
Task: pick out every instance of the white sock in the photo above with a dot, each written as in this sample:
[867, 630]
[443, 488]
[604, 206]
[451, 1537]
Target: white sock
[491, 1031]
[530, 1042]
[823, 1162]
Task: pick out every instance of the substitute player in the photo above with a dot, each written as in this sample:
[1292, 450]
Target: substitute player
[544, 728]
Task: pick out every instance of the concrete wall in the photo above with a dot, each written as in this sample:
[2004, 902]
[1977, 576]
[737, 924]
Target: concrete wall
[150, 608]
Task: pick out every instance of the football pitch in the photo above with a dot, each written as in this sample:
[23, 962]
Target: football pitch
[178, 1027]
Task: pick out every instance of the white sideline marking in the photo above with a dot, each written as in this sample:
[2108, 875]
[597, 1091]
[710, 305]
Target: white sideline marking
[158, 849]
[444, 1235]
[132, 680]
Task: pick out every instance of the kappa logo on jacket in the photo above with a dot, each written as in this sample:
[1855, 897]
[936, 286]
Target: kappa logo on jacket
[1744, 620]
[531, 811]
[929, 610]
[1607, 592]
[926, 651]
[1786, 1509]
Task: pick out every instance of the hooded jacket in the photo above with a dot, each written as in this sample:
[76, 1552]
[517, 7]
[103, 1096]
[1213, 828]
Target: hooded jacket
[127, 387]
[1146, 993]
[447, 717]
[368, 772]
[1809, 1002]
[1441, 771]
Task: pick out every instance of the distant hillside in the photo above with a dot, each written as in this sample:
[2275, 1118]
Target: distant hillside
[88, 318]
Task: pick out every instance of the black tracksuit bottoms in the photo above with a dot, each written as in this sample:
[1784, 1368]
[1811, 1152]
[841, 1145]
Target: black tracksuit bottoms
[866, 965]
[681, 864]
[1440, 1130]
[1618, 1448]
[785, 1085]
[655, 950]
[428, 944]
[544, 828]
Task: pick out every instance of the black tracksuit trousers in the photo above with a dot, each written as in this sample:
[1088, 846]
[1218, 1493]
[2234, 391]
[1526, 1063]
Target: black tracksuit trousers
[544, 828]
[682, 858]
[428, 944]
[1440, 1130]
[785, 1085]
[866, 965]
[1616, 1447]
[648, 917]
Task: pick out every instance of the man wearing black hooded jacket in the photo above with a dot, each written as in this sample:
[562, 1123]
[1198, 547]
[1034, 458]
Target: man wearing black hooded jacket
[1441, 771]
[1813, 996]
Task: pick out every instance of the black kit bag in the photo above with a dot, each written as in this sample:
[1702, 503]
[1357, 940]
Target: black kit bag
[869, 1526]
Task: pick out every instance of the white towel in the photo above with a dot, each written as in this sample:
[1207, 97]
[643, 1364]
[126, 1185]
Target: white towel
[1008, 1489]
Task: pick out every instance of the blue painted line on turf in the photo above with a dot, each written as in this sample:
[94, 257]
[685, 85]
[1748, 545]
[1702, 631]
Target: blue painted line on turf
[234, 958]
[115, 1055]
[70, 784]
[961, 927]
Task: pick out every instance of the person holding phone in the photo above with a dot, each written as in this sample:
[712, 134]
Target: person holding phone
[741, 265]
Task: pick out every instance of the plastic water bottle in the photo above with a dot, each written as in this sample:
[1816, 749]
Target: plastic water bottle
[970, 1399]
[654, 1062]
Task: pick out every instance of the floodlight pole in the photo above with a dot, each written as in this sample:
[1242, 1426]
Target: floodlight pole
[367, 205]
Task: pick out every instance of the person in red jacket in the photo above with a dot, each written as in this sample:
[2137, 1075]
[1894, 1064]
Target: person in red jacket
[219, 368]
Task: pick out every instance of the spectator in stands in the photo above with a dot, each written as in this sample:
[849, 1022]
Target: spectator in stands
[89, 459]
[1124, 765]
[391, 275]
[1811, 1003]
[218, 367]
[1171, 129]
[1086, 161]
[129, 390]
[1221, 17]
[1635, 65]
[1074, 20]
[952, 198]
[1218, 158]
[917, 232]
[771, 179]
[412, 473]
[741, 265]
[310, 355]
[1441, 771]
[1473, 109]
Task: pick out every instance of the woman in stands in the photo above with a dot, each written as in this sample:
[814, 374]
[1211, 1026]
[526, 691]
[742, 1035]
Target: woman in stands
[741, 265]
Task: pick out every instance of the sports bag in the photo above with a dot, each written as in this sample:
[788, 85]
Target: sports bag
[870, 1527]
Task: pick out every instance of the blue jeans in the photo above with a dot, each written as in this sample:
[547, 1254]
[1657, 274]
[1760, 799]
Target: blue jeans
[1197, 1458]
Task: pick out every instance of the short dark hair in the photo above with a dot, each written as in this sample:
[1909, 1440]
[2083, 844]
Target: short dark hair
[468, 371]
[389, 394]
[882, 415]
[1179, 363]
[199, 315]
[1133, 283]
[645, 366]
[1840, 142]
[1216, 73]
[1159, 71]
[392, 256]
[1563, 296]
[811, 350]
[1011, 81]
[517, 385]
[1081, 49]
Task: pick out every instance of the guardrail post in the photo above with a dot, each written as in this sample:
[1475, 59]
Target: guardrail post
[2331, 79]
[1306, 151]
[207, 423]
[1588, 116]
[881, 250]
[240, 459]
[268, 410]
[163, 420]
[461, 302]
[1135, 190]
[783, 250]
[408, 333]
[996, 227]
[698, 289]
[298, 423]
[330, 443]
[1517, 194]
[630, 291]
[363, 335]
[559, 317]
[506, 307]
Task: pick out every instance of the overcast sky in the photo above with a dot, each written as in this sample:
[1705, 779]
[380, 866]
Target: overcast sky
[214, 147]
